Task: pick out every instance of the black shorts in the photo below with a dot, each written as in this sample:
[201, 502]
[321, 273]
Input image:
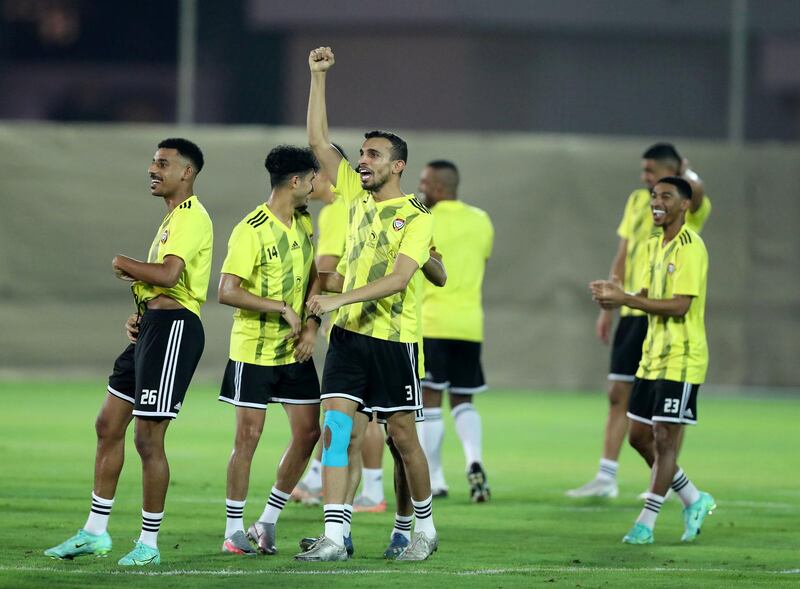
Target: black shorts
[377, 374]
[626, 351]
[453, 365]
[663, 400]
[251, 385]
[154, 373]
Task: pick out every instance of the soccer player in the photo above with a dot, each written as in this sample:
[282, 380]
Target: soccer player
[674, 357]
[629, 264]
[371, 359]
[267, 276]
[151, 376]
[452, 326]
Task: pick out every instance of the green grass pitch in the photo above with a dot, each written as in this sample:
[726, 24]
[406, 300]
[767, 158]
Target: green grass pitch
[745, 452]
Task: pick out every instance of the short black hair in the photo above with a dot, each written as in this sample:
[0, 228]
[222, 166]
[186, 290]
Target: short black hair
[285, 161]
[451, 181]
[399, 147]
[684, 188]
[663, 152]
[187, 149]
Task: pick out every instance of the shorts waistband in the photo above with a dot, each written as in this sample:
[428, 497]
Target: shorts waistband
[159, 315]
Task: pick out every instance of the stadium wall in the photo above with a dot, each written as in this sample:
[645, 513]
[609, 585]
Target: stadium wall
[73, 196]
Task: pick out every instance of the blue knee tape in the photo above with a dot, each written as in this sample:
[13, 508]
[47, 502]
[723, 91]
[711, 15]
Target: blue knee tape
[340, 426]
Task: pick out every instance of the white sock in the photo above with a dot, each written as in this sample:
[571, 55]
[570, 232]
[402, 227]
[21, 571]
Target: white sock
[402, 525]
[468, 428]
[97, 523]
[685, 488]
[423, 514]
[275, 503]
[652, 505]
[608, 469]
[347, 520]
[372, 484]
[432, 436]
[151, 523]
[334, 522]
[235, 516]
[313, 478]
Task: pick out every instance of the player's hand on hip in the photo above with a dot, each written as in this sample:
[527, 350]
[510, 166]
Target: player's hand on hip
[321, 59]
[132, 328]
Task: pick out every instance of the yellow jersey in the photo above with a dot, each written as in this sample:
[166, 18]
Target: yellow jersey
[185, 232]
[636, 227]
[464, 235]
[378, 233]
[675, 348]
[274, 262]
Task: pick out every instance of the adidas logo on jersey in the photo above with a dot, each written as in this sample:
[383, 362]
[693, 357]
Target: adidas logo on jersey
[295, 245]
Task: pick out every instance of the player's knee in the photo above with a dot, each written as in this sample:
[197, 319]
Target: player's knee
[247, 437]
[639, 441]
[107, 430]
[147, 445]
[337, 428]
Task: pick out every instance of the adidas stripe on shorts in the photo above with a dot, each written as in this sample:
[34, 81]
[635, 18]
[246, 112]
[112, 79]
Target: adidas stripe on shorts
[155, 373]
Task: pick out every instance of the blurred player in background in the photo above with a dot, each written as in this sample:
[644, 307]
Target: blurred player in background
[674, 357]
[151, 376]
[452, 326]
[267, 276]
[629, 264]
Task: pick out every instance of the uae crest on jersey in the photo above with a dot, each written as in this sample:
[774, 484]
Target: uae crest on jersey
[398, 224]
[670, 268]
[164, 236]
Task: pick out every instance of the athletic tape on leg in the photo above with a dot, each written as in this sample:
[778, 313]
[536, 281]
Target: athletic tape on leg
[340, 426]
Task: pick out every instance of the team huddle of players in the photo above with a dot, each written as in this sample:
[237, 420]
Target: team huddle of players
[402, 288]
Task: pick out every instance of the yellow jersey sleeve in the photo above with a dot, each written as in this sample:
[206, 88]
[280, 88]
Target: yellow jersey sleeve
[625, 227]
[489, 237]
[184, 239]
[348, 182]
[332, 229]
[417, 239]
[687, 271]
[697, 219]
[243, 250]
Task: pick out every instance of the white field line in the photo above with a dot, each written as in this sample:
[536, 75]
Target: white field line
[399, 571]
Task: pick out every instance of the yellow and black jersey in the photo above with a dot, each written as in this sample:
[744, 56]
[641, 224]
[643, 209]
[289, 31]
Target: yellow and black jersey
[675, 347]
[636, 227]
[378, 233]
[274, 262]
[185, 232]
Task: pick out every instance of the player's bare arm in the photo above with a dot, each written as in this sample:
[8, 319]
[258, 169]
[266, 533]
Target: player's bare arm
[403, 270]
[320, 60]
[307, 338]
[606, 316]
[611, 294]
[231, 293]
[165, 274]
[434, 269]
[698, 188]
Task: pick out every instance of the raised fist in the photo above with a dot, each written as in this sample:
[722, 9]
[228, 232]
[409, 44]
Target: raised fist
[321, 59]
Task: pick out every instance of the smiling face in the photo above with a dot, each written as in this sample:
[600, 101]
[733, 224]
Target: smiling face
[302, 186]
[375, 164]
[167, 171]
[667, 205]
